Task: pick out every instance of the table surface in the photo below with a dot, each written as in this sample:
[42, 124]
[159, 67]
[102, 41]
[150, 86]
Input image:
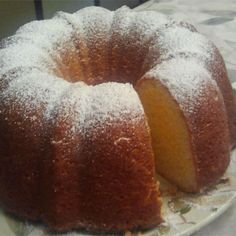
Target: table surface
[217, 20]
[214, 18]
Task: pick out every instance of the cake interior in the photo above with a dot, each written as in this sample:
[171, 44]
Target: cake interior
[170, 138]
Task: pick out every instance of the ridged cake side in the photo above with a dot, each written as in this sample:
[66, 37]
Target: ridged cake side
[101, 162]
[39, 106]
[25, 106]
[202, 106]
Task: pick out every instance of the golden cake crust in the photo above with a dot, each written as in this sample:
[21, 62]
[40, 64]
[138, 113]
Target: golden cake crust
[106, 171]
[65, 144]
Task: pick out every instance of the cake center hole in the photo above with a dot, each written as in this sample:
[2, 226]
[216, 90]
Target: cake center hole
[95, 67]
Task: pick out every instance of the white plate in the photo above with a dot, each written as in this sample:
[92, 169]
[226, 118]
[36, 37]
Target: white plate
[184, 213]
[234, 87]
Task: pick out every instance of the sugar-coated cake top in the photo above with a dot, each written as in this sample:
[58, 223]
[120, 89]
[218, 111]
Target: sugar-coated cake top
[28, 60]
[187, 81]
[99, 107]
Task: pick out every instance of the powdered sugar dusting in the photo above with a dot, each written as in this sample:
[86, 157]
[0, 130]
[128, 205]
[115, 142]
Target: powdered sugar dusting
[122, 21]
[34, 45]
[86, 20]
[27, 55]
[185, 79]
[110, 102]
[32, 55]
[41, 92]
[94, 108]
[175, 40]
[94, 18]
[147, 23]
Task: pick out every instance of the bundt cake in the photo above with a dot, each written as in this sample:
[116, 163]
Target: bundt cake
[92, 102]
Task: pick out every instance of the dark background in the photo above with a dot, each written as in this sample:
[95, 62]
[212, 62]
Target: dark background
[14, 13]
